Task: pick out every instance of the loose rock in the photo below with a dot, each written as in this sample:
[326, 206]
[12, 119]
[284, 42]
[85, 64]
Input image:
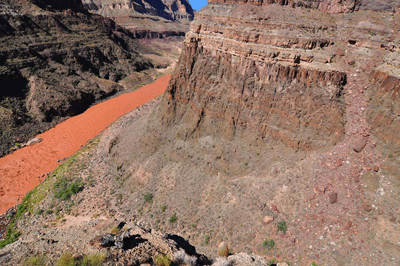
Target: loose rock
[359, 145]
[333, 197]
[268, 219]
[33, 141]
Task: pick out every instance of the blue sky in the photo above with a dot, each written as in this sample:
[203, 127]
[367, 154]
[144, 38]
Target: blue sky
[198, 4]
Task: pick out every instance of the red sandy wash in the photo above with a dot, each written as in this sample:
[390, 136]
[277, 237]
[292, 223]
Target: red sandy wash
[20, 171]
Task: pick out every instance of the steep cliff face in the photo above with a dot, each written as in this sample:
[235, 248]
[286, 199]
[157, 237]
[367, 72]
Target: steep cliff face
[55, 64]
[278, 112]
[257, 83]
[148, 19]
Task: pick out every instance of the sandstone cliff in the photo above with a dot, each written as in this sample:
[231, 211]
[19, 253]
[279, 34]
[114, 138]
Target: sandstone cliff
[147, 19]
[284, 112]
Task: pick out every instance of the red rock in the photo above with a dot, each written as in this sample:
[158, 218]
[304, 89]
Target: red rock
[274, 208]
[348, 225]
[367, 207]
[359, 145]
[268, 219]
[333, 197]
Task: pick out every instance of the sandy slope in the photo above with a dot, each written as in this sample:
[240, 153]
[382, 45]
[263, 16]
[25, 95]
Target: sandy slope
[22, 170]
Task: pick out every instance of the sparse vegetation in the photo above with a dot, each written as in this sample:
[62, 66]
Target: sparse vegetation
[93, 259]
[148, 197]
[173, 218]
[115, 230]
[38, 260]
[162, 260]
[163, 208]
[269, 244]
[313, 264]
[66, 259]
[271, 262]
[207, 239]
[64, 188]
[282, 226]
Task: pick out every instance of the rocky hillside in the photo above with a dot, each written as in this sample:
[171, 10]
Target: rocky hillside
[279, 124]
[56, 60]
[278, 135]
[146, 19]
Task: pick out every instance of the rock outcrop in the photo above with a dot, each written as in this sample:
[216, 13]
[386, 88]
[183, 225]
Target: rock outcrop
[258, 84]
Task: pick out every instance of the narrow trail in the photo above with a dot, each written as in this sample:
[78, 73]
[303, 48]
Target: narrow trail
[22, 170]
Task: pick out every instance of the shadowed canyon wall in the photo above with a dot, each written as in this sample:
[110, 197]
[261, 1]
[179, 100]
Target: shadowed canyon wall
[56, 64]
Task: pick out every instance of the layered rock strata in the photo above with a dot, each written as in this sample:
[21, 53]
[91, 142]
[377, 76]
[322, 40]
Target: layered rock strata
[258, 78]
[283, 111]
[147, 19]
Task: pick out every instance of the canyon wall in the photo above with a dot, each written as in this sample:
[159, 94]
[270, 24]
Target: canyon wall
[146, 19]
[278, 112]
[56, 64]
[269, 82]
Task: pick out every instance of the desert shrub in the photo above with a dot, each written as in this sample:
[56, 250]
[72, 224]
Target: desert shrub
[64, 188]
[270, 243]
[11, 236]
[173, 218]
[223, 250]
[38, 260]
[282, 226]
[66, 259]
[148, 197]
[115, 230]
[162, 260]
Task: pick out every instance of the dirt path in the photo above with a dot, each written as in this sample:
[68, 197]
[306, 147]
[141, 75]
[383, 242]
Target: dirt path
[21, 171]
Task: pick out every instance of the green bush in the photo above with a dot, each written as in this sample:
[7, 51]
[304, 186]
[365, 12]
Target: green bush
[64, 188]
[270, 243]
[207, 239]
[173, 218]
[11, 236]
[282, 226]
[162, 260]
[148, 197]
